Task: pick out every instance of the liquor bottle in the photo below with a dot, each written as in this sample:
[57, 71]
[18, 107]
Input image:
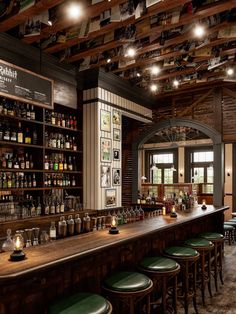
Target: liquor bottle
[46, 163]
[65, 164]
[13, 137]
[53, 231]
[6, 134]
[58, 141]
[61, 164]
[9, 162]
[53, 119]
[20, 138]
[71, 122]
[55, 165]
[46, 208]
[22, 163]
[73, 182]
[67, 142]
[13, 180]
[1, 132]
[34, 183]
[31, 162]
[70, 165]
[53, 141]
[4, 180]
[16, 164]
[52, 207]
[74, 144]
[32, 113]
[4, 162]
[74, 164]
[27, 136]
[9, 182]
[74, 123]
[27, 112]
[51, 164]
[32, 207]
[63, 121]
[62, 207]
[35, 137]
[25, 182]
[39, 207]
[17, 183]
[62, 144]
[27, 162]
[57, 206]
[29, 181]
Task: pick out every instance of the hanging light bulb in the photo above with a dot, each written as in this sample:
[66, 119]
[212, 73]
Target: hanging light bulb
[155, 70]
[153, 87]
[131, 52]
[153, 167]
[230, 71]
[199, 31]
[74, 11]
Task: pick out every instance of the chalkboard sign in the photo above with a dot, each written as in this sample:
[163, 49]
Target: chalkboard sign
[24, 85]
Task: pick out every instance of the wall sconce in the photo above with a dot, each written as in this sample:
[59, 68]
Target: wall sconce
[143, 178]
[114, 223]
[18, 243]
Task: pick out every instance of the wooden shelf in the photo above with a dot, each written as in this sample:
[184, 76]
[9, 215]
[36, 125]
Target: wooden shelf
[43, 188]
[19, 170]
[61, 128]
[62, 171]
[21, 119]
[64, 150]
[10, 144]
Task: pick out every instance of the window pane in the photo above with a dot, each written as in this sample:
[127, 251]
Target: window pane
[198, 174]
[156, 176]
[168, 176]
[202, 156]
[163, 159]
[210, 175]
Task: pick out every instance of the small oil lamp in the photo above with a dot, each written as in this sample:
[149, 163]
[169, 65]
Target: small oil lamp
[204, 204]
[17, 254]
[173, 213]
[114, 223]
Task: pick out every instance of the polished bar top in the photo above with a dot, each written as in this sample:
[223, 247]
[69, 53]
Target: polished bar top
[60, 251]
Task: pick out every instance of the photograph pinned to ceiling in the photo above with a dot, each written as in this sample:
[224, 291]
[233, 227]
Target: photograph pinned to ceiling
[116, 117]
[116, 135]
[105, 120]
[32, 27]
[110, 197]
[105, 149]
[116, 177]
[105, 176]
[116, 154]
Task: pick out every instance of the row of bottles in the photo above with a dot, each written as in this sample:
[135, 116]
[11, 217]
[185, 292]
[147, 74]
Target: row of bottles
[61, 119]
[9, 180]
[61, 141]
[13, 108]
[147, 199]
[58, 162]
[59, 180]
[17, 161]
[15, 134]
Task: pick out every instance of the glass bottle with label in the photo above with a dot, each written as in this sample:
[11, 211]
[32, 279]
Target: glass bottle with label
[46, 163]
[19, 134]
[53, 231]
[27, 136]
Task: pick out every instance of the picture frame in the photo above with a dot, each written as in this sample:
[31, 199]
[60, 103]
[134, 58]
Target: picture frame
[110, 197]
[116, 176]
[116, 117]
[105, 120]
[116, 154]
[116, 134]
[105, 149]
[105, 176]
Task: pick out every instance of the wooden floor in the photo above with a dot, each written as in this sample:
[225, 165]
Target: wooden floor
[224, 301]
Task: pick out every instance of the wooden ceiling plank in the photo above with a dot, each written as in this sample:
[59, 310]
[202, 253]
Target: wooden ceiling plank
[229, 92]
[21, 17]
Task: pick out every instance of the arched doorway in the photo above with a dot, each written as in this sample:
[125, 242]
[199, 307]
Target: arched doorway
[218, 150]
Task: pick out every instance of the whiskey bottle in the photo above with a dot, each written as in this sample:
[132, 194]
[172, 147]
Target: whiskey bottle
[32, 113]
[52, 231]
[31, 162]
[53, 119]
[70, 165]
[65, 164]
[35, 137]
[27, 136]
[27, 162]
[27, 112]
[46, 163]
[20, 134]
[61, 165]
[74, 164]
[22, 163]
[34, 183]
[67, 142]
[39, 207]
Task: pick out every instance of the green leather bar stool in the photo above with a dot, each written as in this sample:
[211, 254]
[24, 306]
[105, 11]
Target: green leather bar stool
[229, 233]
[217, 256]
[163, 272]
[187, 259]
[127, 290]
[204, 247]
[81, 303]
[232, 224]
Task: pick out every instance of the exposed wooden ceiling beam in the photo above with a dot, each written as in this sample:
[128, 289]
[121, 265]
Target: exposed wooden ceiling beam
[19, 18]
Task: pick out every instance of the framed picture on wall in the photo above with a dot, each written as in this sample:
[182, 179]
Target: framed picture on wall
[110, 197]
[105, 120]
[116, 135]
[116, 117]
[105, 149]
[116, 154]
[116, 176]
[105, 176]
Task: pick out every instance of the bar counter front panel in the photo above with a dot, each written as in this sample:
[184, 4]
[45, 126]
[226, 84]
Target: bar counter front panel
[80, 263]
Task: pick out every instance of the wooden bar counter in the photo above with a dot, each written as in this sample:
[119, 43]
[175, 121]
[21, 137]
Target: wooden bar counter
[80, 263]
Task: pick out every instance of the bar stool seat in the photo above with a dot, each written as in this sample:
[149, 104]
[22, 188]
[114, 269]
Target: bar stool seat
[204, 247]
[229, 232]
[125, 289]
[187, 258]
[163, 271]
[217, 259]
[86, 303]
